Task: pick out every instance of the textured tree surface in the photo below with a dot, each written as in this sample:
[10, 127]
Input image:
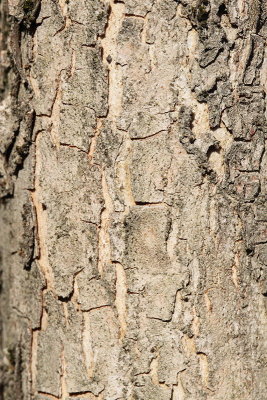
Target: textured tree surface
[133, 179]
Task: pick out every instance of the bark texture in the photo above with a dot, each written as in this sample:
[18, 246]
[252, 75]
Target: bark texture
[133, 178]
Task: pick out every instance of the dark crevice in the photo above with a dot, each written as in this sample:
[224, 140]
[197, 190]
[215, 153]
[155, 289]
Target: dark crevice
[67, 298]
[262, 17]
[202, 12]
[31, 9]
[222, 10]
[214, 148]
[250, 252]
[103, 35]
[146, 203]
[134, 16]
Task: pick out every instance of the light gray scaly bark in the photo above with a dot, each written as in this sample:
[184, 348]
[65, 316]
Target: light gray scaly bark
[133, 199]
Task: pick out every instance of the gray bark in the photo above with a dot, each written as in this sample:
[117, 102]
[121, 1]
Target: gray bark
[133, 199]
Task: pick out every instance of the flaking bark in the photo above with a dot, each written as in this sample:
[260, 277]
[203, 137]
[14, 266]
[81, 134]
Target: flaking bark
[133, 199]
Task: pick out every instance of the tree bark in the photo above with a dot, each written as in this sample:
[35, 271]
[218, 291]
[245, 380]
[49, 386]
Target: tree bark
[133, 199]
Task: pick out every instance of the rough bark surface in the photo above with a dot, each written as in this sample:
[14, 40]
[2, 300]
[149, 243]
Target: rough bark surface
[133, 178]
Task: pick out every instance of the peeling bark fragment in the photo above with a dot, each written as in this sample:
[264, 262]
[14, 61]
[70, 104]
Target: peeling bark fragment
[86, 11]
[50, 348]
[74, 129]
[140, 228]
[28, 286]
[69, 247]
[88, 86]
[93, 294]
[107, 371]
[133, 7]
[76, 373]
[149, 175]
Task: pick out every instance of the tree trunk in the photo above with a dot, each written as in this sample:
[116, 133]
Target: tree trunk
[133, 215]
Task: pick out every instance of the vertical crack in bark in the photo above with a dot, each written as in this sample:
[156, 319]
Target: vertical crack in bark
[33, 81]
[64, 390]
[120, 302]
[204, 368]
[63, 4]
[207, 301]
[73, 64]
[66, 313]
[178, 391]
[235, 269]
[109, 46]
[171, 241]
[122, 165]
[87, 346]
[93, 143]
[154, 371]
[195, 323]
[123, 172]
[104, 255]
[41, 217]
[42, 258]
[34, 344]
[55, 113]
